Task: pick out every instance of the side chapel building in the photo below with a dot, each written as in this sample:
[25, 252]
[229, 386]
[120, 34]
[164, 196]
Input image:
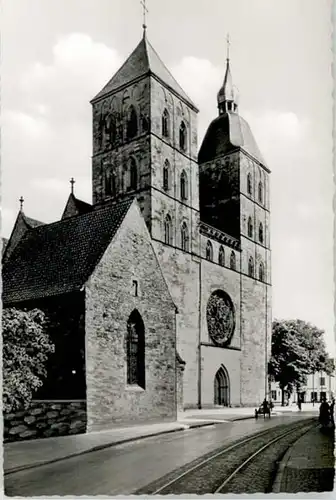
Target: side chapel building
[160, 290]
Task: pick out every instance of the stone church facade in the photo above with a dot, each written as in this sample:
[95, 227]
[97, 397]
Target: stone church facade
[208, 214]
[175, 245]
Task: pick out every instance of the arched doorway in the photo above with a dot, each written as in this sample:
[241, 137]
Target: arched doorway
[222, 388]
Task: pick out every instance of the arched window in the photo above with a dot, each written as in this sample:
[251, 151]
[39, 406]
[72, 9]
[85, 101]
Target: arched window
[133, 174]
[233, 260]
[209, 251]
[221, 256]
[135, 341]
[260, 193]
[166, 175]
[184, 186]
[168, 230]
[251, 267]
[184, 237]
[249, 184]
[132, 123]
[250, 228]
[165, 123]
[261, 272]
[261, 233]
[183, 136]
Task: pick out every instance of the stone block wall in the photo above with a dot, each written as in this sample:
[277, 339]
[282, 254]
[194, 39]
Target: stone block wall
[181, 272]
[45, 419]
[256, 340]
[110, 299]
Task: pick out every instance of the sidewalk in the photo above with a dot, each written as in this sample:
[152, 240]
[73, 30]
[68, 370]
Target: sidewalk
[308, 466]
[32, 453]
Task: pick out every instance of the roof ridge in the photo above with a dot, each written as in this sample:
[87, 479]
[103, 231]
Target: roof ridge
[169, 71]
[87, 214]
[99, 94]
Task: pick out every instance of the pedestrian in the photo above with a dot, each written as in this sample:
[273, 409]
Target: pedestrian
[299, 403]
[266, 409]
[324, 416]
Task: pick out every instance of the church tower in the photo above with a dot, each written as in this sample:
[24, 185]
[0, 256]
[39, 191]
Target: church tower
[145, 145]
[234, 197]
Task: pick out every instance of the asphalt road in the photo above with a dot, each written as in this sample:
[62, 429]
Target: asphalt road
[124, 469]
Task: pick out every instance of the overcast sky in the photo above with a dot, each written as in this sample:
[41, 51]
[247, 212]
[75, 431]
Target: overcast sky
[57, 54]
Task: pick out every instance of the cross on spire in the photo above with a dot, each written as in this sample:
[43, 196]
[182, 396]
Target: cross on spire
[72, 182]
[145, 10]
[21, 200]
[228, 43]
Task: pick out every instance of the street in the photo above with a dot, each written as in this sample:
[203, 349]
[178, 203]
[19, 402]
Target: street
[124, 469]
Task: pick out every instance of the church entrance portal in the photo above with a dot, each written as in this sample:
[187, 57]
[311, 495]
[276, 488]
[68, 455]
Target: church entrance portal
[222, 395]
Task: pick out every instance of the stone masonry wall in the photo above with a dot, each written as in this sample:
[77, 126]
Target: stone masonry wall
[45, 419]
[110, 299]
[256, 340]
[181, 271]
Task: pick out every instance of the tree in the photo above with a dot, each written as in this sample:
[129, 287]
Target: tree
[26, 346]
[298, 348]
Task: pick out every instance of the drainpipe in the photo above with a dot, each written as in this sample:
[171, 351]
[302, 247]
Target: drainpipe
[199, 403]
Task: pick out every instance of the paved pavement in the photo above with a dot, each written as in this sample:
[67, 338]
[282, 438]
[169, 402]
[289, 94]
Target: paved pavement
[126, 468]
[32, 453]
[308, 466]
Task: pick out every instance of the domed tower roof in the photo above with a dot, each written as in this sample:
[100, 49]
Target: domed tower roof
[229, 130]
[226, 133]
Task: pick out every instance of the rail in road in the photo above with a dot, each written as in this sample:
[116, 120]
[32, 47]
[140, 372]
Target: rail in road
[247, 466]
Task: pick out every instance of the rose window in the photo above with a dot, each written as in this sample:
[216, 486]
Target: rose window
[220, 318]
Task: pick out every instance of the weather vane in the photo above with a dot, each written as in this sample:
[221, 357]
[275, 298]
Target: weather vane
[143, 3]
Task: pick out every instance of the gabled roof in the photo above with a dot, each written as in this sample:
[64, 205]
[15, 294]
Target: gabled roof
[21, 226]
[58, 258]
[226, 133]
[143, 60]
[4, 244]
[74, 206]
[32, 222]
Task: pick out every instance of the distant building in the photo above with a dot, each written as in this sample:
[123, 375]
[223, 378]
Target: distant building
[319, 386]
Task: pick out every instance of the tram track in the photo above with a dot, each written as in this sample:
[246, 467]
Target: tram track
[245, 466]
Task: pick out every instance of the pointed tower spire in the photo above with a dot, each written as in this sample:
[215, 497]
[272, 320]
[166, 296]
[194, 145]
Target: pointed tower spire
[226, 97]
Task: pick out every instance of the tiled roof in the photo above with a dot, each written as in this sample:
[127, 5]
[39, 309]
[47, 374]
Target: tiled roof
[226, 133]
[75, 206]
[57, 258]
[32, 222]
[143, 60]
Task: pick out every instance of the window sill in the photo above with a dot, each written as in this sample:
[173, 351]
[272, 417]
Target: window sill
[134, 388]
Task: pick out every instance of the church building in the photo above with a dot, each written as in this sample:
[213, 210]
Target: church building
[161, 288]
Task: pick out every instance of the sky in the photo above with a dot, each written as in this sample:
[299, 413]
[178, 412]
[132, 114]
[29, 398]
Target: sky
[56, 55]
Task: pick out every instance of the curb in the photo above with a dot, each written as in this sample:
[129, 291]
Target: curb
[182, 427]
[282, 465]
